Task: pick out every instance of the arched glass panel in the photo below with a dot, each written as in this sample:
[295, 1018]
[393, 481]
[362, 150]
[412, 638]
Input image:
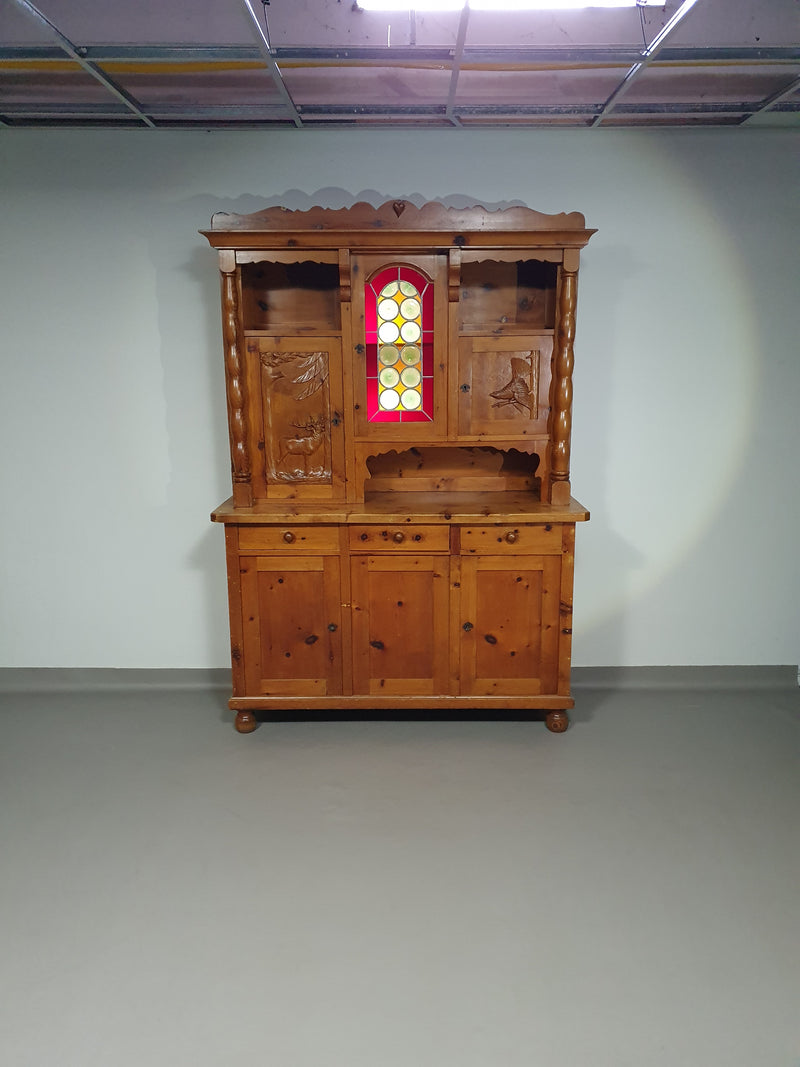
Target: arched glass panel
[398, 306]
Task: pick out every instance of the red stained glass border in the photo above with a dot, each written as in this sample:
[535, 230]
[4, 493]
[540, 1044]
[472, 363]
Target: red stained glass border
[372, 288]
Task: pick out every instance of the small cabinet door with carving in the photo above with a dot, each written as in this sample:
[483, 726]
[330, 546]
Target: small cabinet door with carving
[509, 623]
[297, 417]
[291, 615]
[504, 384]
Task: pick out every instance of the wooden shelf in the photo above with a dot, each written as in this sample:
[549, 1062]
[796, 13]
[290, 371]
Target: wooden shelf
[500, 508]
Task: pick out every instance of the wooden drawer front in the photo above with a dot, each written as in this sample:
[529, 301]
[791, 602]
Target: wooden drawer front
[540, 539]
[302, 539]
[399, 538]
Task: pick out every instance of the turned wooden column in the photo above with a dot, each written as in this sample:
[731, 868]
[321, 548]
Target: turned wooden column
[561, 405]
[234, 384]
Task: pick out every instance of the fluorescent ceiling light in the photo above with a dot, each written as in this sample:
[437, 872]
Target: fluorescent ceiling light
[500, 6]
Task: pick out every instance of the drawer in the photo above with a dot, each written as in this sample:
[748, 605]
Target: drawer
[540, 540]
[399, 538]
[316, 540]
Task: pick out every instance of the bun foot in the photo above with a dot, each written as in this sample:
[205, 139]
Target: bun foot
[245, 722]
[556, 721]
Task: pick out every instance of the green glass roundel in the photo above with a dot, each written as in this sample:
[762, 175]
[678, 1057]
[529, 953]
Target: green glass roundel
[389, 377]
[410, 355]
[409, 309]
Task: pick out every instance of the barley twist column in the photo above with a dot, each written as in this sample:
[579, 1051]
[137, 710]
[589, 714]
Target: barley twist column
[561, 406]
[234, 380]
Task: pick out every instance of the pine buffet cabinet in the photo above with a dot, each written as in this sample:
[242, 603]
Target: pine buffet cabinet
[399, 388]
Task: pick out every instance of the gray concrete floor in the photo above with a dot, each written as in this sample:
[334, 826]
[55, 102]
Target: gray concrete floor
[400, 894]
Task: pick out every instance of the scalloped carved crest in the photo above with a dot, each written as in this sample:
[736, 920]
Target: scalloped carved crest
[399, 215]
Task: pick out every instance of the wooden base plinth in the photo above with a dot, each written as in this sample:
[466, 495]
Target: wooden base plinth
[551, 703]
[556, 720]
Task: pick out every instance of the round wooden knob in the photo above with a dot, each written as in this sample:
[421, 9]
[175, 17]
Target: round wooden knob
[511, 536]
[288, 537]
[399, 537]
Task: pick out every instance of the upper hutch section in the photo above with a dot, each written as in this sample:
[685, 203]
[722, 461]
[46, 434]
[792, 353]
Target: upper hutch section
[398, 348]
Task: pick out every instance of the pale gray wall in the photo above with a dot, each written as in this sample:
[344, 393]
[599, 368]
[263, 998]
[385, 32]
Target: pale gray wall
[687, 377]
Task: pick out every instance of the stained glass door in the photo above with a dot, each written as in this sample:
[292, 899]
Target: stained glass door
[400, 333]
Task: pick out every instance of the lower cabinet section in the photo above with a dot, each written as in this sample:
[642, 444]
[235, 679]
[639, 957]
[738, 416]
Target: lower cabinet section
[412, 616]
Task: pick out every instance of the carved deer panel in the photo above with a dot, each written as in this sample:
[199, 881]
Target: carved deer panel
[296, 404]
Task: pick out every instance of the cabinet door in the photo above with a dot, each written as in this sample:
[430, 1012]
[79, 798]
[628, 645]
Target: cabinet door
[296, 413]
[509, 624]
[291, 614]
[504, 385]
[400, 624]
[400, 340]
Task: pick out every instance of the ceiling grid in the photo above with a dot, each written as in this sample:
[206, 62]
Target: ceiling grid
[309, 63]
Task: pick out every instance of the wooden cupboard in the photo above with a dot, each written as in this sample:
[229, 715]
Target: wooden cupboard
[399, 385]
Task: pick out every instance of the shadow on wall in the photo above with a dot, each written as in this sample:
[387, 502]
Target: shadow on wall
[332, 197]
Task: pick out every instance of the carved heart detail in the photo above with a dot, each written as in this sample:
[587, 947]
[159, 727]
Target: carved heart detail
[399, 207]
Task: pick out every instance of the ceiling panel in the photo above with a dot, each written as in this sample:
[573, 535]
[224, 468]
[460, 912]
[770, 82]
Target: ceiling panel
[704, 83]
[92, 22]
[305, 62]
[189, 85]
[403, 85]
[661, 118]
[547, 85]
[740, 23]
[556, 117]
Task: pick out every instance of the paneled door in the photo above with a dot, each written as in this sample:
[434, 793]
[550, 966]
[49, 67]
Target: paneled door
[400, 624]
[509, 622]
[291, 615]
